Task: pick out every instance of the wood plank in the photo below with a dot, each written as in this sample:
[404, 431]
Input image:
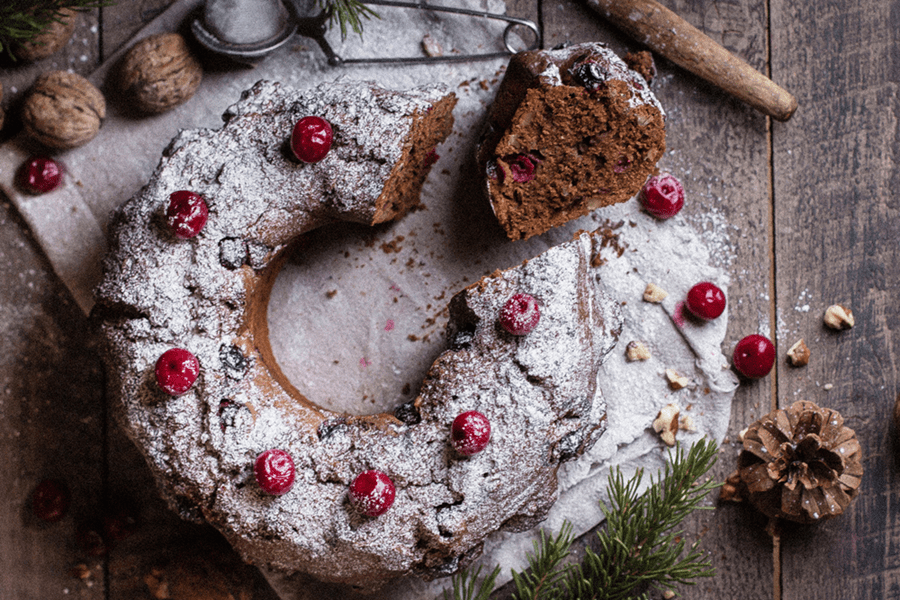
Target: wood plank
[836, 175]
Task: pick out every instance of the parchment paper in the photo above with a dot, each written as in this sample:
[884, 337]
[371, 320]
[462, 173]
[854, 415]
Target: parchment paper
[357, 315]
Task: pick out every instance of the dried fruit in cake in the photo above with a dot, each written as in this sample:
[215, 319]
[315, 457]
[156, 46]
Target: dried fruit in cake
[176, 371]
[372, 493]
[520, 314]
[274, 471]
[706, 301]
[662, 196]
[39, 175]
[754, 356]
[311, 139]
[470, 433]
[186, 214]
[570, 130]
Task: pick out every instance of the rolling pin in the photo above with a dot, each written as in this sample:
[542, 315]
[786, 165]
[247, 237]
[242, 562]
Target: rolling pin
[672, 37]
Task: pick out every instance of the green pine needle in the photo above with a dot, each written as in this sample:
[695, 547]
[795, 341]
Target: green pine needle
[467, 587]
[637, 549]
[545, 575]
[348, 14]
[23, 20]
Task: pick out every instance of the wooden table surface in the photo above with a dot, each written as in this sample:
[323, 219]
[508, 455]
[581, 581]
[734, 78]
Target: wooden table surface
[809, 209]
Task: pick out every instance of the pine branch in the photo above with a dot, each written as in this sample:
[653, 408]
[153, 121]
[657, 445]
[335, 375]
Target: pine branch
[22, 20]
[637, 549]
[545, 576]
[347, 13]
[467, 587]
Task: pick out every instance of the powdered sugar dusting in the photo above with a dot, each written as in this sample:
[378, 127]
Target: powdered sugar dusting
[198, 294]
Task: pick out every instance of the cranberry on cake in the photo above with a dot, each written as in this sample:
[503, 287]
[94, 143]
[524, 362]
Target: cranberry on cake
[571, 130]
[357, 500]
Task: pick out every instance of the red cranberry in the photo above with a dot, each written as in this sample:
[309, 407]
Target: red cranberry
[40, 174]
[706, 301]
[432, 157]
[662, 196]
[622, 165]
[274, 470]
[520, 314]
[50, 500]
[372, 493]
[311, 139]
[470, 433]
[186, 214]
[754, 356]
[176, 371]
[522, 167]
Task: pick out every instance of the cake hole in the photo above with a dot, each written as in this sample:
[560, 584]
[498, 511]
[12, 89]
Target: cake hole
[353, 318]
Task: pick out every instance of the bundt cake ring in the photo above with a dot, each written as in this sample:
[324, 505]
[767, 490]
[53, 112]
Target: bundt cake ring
[357, 500]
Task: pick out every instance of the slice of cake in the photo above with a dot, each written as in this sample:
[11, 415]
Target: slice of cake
[571, 130]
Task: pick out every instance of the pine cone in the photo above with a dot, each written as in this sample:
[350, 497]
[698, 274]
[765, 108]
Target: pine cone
[799, 464]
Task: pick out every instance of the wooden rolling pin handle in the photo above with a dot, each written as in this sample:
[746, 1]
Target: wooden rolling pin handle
[672, 37]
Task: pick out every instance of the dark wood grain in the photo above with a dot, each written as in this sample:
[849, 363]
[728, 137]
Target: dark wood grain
[835, 179]
[804, 213]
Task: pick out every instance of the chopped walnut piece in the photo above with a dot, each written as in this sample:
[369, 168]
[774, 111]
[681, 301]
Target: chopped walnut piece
[80, 571]
[686, 423]
[655, 294]
[839, 317]
[799, 354]
[666, 423]
[431, 46]
[676, 380]
[636, 351]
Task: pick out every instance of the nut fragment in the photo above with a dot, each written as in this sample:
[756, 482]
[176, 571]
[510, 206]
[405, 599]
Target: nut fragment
[55, 35]
[655, 294]
[431, 46]
[839, 317]
[686, 423]
[63, 110]
[676, 380]
[636, 351]
[799, 354]
[160, 72]
[666, 423]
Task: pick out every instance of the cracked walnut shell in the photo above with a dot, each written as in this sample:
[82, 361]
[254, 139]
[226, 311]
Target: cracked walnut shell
[801, 464]
[63, 110]
[159, 73]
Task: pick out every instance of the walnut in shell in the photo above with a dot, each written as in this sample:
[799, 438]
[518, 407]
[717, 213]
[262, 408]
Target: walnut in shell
[800, 464]
[63, 110]
[50, 40]
[159, 73]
